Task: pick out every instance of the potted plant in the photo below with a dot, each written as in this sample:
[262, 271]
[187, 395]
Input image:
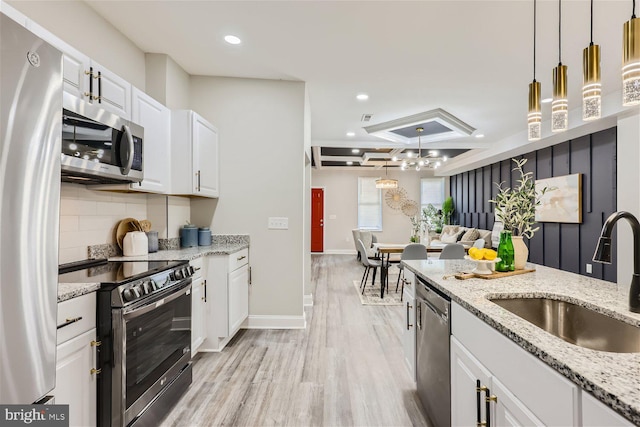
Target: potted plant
[433, 218]
[447, 210]
[516, 208]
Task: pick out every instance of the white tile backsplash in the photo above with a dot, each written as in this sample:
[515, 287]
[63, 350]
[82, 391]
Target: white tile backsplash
[89, 217]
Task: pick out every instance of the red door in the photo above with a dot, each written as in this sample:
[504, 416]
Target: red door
[317, 220]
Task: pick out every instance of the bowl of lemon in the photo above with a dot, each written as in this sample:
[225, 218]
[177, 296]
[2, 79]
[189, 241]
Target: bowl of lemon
[484, 258]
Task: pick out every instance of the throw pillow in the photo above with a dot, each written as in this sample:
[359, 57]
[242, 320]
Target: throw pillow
[486, 235]
[450, 229]
[449, 238]
[470, 235]
[460, 233]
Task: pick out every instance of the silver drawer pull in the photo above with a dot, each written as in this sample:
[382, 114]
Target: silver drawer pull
[69, 322]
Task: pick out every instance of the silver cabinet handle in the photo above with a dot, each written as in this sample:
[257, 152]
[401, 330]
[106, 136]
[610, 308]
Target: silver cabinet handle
[409, 307]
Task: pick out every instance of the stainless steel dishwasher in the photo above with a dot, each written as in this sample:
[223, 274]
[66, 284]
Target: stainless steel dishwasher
[433, 353]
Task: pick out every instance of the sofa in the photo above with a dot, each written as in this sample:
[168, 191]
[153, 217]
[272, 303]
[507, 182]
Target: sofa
[468, 235]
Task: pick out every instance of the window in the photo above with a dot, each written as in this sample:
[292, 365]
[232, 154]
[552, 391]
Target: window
[431, 192]
[369, 204]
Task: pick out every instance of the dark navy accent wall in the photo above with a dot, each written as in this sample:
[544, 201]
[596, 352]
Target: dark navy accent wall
[565, 246]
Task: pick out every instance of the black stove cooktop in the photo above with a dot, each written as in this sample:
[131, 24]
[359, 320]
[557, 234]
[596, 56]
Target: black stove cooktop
[112, 272]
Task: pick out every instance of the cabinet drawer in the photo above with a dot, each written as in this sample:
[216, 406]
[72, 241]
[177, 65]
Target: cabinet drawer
[76, 316]
[197, 265]
[238, 259]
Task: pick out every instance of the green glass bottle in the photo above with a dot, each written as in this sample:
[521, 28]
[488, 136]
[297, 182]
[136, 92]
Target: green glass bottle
[505, 252]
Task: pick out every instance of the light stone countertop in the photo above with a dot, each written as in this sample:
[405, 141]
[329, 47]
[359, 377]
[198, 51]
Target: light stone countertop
[613, 378]
[72, 290]
[187, 254]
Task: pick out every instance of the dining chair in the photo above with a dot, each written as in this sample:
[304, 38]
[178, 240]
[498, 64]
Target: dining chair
[412, 251]
[452, 251]
[368, 265]
[479, 243]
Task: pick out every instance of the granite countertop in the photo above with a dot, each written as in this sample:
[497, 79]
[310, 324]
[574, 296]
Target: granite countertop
[613, 378]
[72, 290]
[187, 254]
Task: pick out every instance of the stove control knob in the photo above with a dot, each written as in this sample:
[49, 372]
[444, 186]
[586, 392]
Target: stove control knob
[172, 276]
[191, 271]
[146, 288]
[154, 285]
[128, 295]
[185, 272]
[178, 275]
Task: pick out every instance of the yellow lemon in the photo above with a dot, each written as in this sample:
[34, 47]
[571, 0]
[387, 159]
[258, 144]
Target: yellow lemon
[477, 254]
[471, 251]
[489, 254]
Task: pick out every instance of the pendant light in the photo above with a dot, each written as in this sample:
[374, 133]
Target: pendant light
[560, 104]
[591, 87]
[420, 160]
[386, 182]
[534, 118]
[631, 60]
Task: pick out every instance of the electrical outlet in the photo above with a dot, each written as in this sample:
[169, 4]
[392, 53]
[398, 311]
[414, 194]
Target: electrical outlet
[278, 223]
[589, 269]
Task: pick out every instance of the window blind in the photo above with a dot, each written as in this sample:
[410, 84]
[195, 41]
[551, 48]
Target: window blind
[369, 204]
[432, 192]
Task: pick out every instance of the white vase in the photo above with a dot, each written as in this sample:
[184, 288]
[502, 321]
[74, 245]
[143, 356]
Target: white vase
[520, 252]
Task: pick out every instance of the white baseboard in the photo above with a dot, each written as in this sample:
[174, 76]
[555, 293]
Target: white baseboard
[308, 300]
[275, 322]
[339, 252]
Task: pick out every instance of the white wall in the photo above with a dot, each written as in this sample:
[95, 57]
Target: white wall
[628, 197]
[166, 81]
[261, 124]
[341, 202]
[78, 24]
[89, 217]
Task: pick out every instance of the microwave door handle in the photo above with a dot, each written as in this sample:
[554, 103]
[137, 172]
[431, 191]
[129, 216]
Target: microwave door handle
[126, 151]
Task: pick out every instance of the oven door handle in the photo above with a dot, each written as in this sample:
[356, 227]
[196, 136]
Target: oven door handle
[155, 304]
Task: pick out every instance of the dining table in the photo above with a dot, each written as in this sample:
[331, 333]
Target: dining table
[387, 249]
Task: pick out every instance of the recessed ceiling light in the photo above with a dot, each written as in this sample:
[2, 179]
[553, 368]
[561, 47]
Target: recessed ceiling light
[480, 135]
[232, 39]
[362, 97]
[433, 152]
[355, 150]
[349, 163]
[394, 159]
[351, 134]
[546, 100]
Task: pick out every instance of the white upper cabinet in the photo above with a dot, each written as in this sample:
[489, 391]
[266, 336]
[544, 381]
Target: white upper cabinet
[88, 80]
[155, 118]
[194, 143]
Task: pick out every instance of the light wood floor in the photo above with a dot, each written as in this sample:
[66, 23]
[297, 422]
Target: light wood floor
[345, 369]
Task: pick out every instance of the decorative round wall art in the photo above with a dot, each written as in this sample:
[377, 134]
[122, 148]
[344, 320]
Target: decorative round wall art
[410, 208]
[395, 198]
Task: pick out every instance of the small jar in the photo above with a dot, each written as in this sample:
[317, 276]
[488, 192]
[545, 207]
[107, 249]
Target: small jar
[204, 236]
[189, 236]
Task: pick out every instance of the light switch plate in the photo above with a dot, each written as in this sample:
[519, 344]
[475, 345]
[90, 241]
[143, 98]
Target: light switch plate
[278, 223]
[589, 269]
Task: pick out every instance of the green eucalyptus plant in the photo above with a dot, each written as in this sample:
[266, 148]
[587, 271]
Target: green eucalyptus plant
[432, 217]
[447, 210]
[516, 207]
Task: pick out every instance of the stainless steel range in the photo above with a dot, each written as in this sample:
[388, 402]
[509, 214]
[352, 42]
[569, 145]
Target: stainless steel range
[144, 326]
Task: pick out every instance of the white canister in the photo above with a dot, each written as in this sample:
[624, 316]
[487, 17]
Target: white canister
[135, 243]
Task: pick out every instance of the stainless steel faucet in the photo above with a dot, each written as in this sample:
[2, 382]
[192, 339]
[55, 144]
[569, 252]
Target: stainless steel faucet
[603, 253]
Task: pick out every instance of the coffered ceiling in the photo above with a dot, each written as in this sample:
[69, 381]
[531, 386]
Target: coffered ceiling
[472, 59]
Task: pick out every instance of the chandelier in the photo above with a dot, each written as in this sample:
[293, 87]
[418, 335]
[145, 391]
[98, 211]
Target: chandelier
[430, 160]
[386, 182]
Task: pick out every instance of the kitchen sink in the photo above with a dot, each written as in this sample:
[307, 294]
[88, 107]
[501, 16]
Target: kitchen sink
[575, 324]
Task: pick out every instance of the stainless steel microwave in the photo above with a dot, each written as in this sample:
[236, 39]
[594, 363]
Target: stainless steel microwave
[99, 147]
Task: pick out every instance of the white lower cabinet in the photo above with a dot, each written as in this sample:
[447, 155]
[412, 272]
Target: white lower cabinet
[227, 306]
[521, 389]
[408, 329]
[198, 306]
[597, 414]
[76, 374]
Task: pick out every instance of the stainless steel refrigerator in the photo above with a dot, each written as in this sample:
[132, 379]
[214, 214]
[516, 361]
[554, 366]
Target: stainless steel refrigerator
[30, 138]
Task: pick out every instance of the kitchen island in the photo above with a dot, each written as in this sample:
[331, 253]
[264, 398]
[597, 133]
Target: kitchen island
[612, 378]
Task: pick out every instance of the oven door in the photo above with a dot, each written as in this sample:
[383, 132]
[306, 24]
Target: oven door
[156, 340]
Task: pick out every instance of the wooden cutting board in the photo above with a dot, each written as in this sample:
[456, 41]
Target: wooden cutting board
[494, 275]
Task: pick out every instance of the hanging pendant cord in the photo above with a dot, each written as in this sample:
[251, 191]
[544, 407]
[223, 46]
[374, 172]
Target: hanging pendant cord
[560, 32]
[534, 40]
[592, 23]
[633, 12]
